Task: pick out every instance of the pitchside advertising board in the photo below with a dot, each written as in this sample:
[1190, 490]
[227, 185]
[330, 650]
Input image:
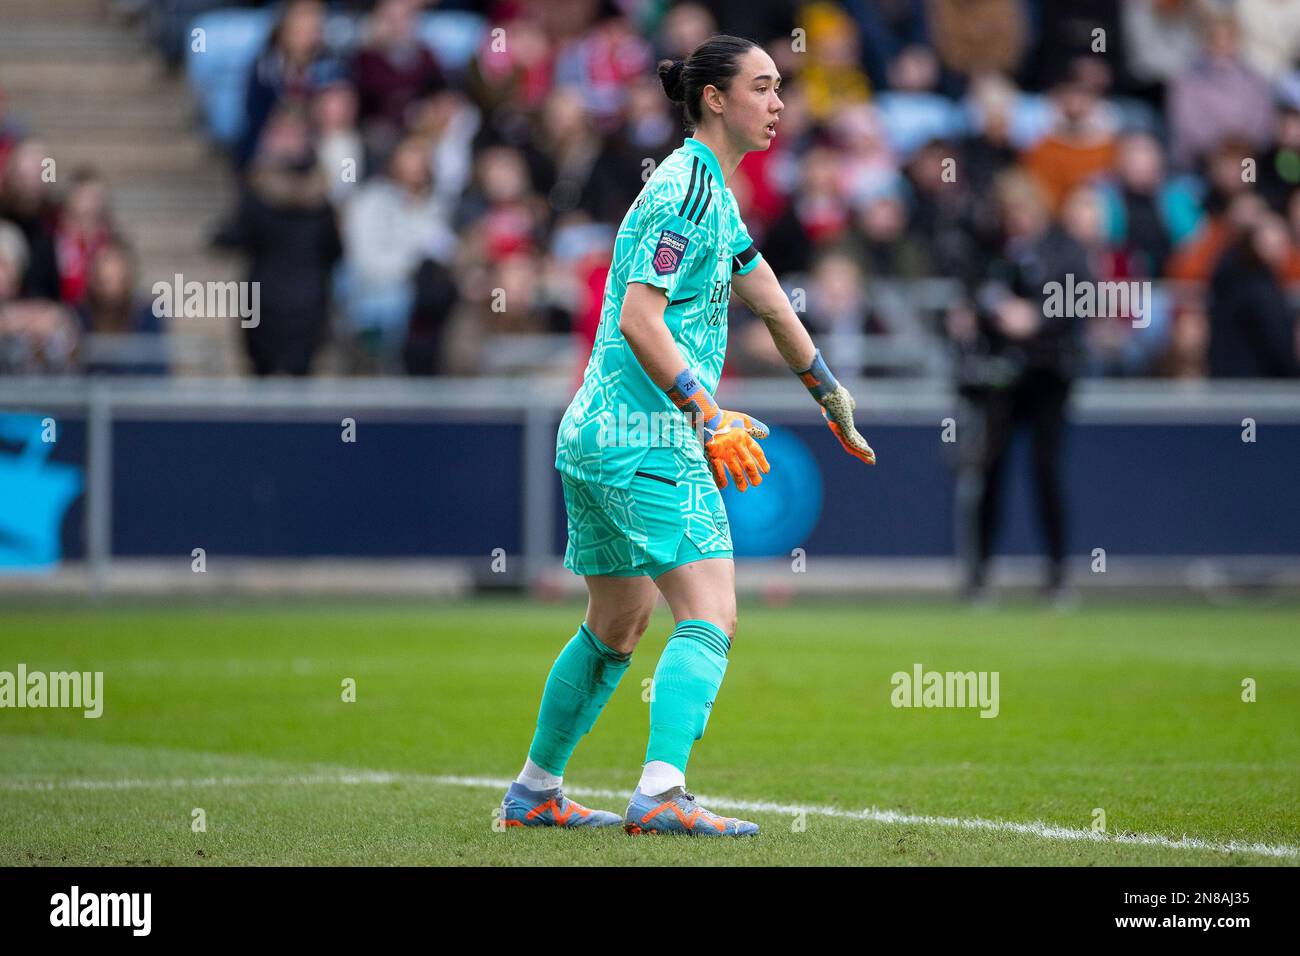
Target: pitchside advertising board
[455, 488]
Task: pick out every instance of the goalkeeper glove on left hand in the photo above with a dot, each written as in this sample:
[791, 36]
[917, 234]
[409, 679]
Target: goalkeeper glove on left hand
[837, 407]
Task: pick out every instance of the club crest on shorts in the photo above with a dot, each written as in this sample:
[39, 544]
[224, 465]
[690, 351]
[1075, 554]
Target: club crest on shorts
[668, 254]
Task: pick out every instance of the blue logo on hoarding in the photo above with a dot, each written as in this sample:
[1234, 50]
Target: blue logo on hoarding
[779, 514]
[34, 495]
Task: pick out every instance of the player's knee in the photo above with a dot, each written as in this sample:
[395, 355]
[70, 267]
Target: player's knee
[623, 632]
[636, 627]
[722, 616]
[727, 621]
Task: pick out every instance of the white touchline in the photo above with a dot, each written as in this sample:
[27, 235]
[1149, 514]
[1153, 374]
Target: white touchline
[1035, 828]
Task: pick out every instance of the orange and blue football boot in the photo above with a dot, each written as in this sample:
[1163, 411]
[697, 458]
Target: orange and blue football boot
[550, 808]
[675, 811]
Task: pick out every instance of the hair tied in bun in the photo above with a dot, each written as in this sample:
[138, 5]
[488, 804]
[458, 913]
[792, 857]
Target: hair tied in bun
[670, 75]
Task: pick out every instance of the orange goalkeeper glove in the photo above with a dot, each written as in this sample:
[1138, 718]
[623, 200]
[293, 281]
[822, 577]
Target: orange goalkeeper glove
[729, 437]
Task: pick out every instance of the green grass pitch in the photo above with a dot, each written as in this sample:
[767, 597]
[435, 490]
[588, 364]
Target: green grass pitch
[237, 710]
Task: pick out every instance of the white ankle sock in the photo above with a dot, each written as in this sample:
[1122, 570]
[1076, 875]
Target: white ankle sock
[658, 776]
[535, 778]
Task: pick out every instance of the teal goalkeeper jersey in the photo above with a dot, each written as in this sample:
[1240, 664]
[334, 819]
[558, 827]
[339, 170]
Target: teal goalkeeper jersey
[683, 235]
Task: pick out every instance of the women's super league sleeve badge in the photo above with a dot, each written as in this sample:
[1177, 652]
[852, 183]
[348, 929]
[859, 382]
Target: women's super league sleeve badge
[670, 251]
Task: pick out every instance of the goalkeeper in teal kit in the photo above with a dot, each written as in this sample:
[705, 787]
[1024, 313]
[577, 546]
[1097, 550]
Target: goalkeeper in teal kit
[643, 450]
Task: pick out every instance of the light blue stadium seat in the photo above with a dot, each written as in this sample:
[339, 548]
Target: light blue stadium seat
[454, 36]
[218, 77]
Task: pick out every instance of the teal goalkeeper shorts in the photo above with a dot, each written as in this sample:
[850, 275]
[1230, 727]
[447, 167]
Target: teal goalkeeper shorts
[671, 514]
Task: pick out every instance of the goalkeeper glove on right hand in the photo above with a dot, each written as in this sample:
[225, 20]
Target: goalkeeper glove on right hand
[729, 437]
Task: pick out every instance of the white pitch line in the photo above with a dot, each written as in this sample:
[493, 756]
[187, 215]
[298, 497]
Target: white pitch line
[1036, 828]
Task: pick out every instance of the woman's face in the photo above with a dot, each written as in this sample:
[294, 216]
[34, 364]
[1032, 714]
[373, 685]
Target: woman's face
[302, 29]
[1141, 166]
[751, 106]
[410, 166]
[1082, 216]
[503, 175]
[88, 202]
[111, 276]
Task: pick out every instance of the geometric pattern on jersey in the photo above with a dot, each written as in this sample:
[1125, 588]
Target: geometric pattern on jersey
[634, 529]
[684, 236]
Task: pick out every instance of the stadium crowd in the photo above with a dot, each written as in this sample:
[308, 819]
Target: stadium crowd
[938, 164]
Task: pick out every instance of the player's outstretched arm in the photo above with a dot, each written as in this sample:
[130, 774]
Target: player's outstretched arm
[760, 290]
[729, 437]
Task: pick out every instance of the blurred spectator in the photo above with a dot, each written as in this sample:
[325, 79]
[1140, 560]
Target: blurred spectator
[294, 66]
[1279, 170]
[684, 27]
[446, 123]
[942, 209]
[1163, 38]
[837, 297]
[394, 223]
[601, 63]
[1252, 320]
[1270, 34]
[1081, 30]
[649, 132]
[503, 213]
[533, 297]
[831, 75]
[973, 37]
[866, 162]
[1217, 97]
[887, 27]
[85, 226]
[912, 112]
[1114, 344]
[882, 242]
[984, 157]
[816, 215]
[11, 131]
[1081, 143]
[111, 316]
[286, 226]
[1145, 211]
[759, 18]
[27, 201]
[37, 336]
[842, 304]
[340, 150]
[563, 151]
[1227, 190]
[508, 81]
[1017, 364]
[392, 70]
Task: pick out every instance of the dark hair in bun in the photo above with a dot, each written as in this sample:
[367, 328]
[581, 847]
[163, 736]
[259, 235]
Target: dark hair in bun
[713, 63]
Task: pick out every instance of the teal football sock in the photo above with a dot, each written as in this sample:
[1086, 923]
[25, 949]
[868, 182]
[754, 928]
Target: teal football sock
[580, 684]
[686, 681]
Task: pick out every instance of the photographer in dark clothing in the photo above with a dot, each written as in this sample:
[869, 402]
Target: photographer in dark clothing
[286, 226]
[1017, 355]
